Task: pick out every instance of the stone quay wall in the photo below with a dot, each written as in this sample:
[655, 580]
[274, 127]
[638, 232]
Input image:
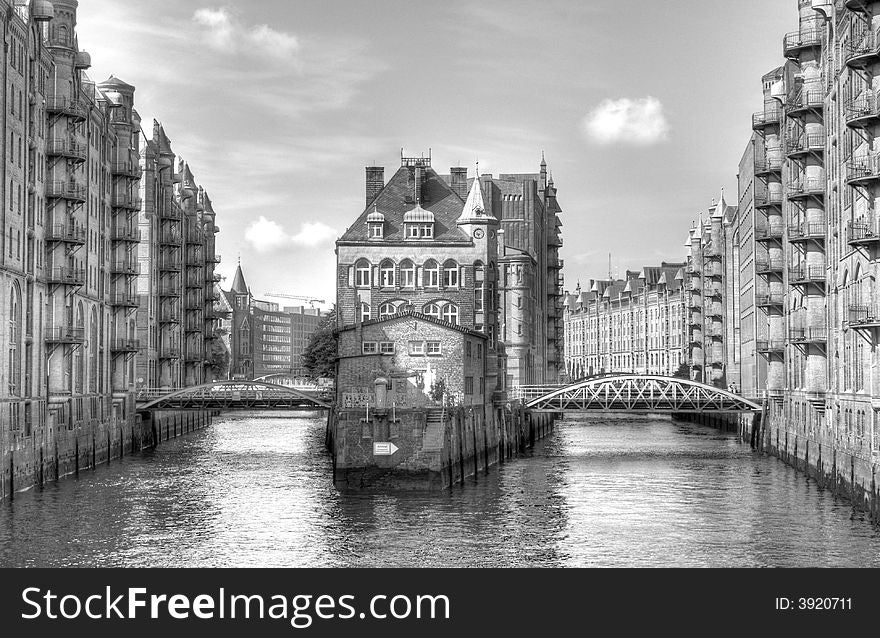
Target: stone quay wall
[28, 462]
[435, 448]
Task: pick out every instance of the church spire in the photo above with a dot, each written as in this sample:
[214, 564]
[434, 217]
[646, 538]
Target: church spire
[474, 207]
[239, 286]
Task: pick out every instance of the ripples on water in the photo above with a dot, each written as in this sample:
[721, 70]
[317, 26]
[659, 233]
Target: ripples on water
[257, 491]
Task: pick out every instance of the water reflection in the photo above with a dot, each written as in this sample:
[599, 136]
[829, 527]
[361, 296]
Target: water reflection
[255, 490]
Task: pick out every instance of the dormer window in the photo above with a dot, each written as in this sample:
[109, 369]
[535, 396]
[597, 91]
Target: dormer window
[418, 223]
[376, 224]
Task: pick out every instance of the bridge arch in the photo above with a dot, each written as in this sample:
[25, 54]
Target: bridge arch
[635, 393]
[229, 395]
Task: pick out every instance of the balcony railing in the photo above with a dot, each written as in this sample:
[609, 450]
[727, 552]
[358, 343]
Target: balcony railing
[807, 274]
[808, 187]
[65, 335]
[765, 346]
[194, 236]
[126, 169]
[66, 233]
[124, 300]
[802, 100]
[214, 259]
[769, 301]
[862, 111]
[66, 190]
[65, 106]
[126, 201]
[127, 267]
[169, 315]
[68, 148]
[167, 289]
[169, 237]
[125, 234]
[814, 230]
[765, 166]
[864, 170]
[803, 144]
[793, 44]
[813, 334]
[765, 118]
[771, 232]
[125, 345]
[169, 352]
[863, 316]
[170, 211]
[66, 276]
[169, 263]
[194, 326]
[862, 50]
[862, 234]
[769, 266]
[767, 198]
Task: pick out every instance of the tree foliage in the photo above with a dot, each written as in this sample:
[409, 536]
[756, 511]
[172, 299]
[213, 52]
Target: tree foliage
[683, 372]
[319, 357]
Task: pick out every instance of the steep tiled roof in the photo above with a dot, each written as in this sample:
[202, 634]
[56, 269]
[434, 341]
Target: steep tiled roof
[392, 201]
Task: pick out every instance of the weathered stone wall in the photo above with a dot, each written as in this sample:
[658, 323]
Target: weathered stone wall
[436, 448]
[28, 463]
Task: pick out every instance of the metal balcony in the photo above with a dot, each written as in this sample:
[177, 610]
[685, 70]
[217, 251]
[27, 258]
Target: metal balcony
[767, 166]
[126, 201]
[194, 236]
[194, 326]
[862, 234]
[169, 352]
[66, 234]
[124, 234]
[771, 232]
[805, 145]
[794, 44]
[169, 238]
[766, 118]
[66, 276]
[862, 51]
[126, 268]
[214, 259]
[67, 190]
[124, 300]
[862, 316]
[769, 266]
[808, 335]
[862, 111]
[68, 149]
[863, 171]
[130, 170]
[125, 346]
[807, 231]
[193, 357]
[801, 102]
[770, 301]
[65, 335]
[768, 199]
[58, 105]
[766, 347]
[169, 315]
[170, 211]
[169, 264]
[804, 188]
[807, 274]
[195, 282]
[167, 289]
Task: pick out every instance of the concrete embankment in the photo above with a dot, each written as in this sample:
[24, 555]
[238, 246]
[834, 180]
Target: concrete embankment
[29, 462]
[431, 448]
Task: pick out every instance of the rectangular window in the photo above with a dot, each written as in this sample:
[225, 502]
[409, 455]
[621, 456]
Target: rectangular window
[434, 348]
[468, 385]
[370, 347]
[467, 349]
[478, 296]
[417, 348]
[386, 347]
[450, 277]
[408, 277]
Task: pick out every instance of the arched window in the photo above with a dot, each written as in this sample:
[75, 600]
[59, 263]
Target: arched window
[386, 274]
[450, 313]
[362, 270]
[407, 274]
[432, 310]
[366, 312]
[93, 353]
[387, 310]
[79, 366]
[14, 342]
[431, 277]
[450, 274]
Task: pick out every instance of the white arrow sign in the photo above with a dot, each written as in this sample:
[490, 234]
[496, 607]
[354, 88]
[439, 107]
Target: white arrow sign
[384, 449]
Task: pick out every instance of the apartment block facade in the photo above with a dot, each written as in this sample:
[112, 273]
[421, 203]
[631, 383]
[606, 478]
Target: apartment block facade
[633, 325]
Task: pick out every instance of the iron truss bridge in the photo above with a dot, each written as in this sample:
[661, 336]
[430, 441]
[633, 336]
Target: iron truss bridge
[229, 395]
[633, 393]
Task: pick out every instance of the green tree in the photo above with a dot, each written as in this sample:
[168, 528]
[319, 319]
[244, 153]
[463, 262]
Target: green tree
[683, 372]
[438, 389]
[217, 356]
[319, 357]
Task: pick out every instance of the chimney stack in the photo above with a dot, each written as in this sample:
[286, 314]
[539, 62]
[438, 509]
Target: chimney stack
[375, 182]
[459, 181]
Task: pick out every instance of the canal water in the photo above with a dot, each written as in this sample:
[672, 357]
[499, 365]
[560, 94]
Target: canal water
[256, 490]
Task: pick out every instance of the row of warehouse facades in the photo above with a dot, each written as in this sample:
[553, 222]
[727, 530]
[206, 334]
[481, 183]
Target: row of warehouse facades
[775, 297]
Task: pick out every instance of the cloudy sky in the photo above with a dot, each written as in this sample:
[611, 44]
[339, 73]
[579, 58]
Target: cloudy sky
[642, 108]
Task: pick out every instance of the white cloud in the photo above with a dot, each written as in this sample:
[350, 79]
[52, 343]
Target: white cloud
[224, 32]
[266, 235]
[637, 122]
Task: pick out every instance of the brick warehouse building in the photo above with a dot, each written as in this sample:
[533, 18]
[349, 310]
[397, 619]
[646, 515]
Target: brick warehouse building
[431, 294]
